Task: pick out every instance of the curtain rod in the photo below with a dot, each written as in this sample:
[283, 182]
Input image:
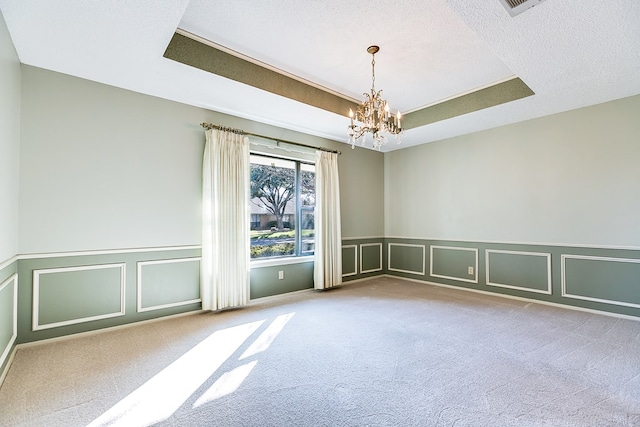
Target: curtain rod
[240, 131]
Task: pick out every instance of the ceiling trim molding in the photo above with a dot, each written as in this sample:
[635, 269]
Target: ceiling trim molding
[486, 97]
[205, 57]
[194, 51]
[457, 95]
[262, 64]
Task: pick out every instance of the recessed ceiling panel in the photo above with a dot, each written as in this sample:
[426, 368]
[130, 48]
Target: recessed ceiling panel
[427, 53]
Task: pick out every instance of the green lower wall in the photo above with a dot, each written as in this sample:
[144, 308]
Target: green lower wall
[157, 283]
[362, 258]
[8, 312]
[588, 277]
[70, 294]
[265, 281]
[64, 295]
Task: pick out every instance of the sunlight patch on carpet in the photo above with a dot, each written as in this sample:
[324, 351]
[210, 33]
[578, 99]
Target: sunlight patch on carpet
[265, 339]
[157, 399]
[230, 381]
[226, 384]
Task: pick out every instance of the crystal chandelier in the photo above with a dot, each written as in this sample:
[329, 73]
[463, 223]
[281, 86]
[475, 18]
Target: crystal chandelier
[374, 115]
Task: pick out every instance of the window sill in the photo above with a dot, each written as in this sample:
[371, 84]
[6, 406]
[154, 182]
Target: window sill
[281, 261]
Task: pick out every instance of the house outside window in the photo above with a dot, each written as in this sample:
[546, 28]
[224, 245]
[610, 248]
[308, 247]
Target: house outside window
[282, 207]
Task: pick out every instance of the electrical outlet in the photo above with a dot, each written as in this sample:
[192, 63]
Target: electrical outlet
[280, 275]
[470, 270]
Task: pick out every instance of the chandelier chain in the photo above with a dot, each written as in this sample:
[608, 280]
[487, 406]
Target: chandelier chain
[373, 72]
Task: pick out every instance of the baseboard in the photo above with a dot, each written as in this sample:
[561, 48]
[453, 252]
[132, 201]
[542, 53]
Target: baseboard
[513, 297]
[364, 279]
[4, 373]
[259, 301]
[103, 330]
[254, 302]
[269, 298]
[287, 294]
[251, 303]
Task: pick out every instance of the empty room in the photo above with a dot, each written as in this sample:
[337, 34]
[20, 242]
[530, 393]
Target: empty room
[325, 213]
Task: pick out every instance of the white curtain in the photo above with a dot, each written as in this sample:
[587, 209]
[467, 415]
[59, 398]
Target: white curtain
[224, 271]
[328, 250]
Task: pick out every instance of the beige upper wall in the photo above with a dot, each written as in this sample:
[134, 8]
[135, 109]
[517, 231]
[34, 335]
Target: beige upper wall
[9, 144]
[106, 168]
[569, 178]
[361, 192]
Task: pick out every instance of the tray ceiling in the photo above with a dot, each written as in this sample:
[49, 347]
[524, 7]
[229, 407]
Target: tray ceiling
[451, 64]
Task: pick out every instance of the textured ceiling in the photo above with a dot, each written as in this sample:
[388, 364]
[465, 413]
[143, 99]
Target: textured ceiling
[570, 53]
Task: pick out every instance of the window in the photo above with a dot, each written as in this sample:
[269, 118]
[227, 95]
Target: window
[282, 207]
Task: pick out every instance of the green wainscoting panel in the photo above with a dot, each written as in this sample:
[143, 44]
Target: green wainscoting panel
[349, 260]
[448, 262]
[370, 257]
[168, 283]
[602, 279]
[407, 258]
[362, 258]
[528, 271]
[82, 292]
[8, 317]
[8, 313]
[63, 296]
[594, 278]
[295, 277]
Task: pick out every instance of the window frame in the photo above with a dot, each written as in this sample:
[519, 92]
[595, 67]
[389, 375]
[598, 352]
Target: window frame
[299, 256]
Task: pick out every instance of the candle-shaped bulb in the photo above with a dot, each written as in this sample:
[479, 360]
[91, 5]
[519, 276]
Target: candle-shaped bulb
[351, 116]
[398, 117]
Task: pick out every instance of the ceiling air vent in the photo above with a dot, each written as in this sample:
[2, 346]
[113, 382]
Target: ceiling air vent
[515, 7]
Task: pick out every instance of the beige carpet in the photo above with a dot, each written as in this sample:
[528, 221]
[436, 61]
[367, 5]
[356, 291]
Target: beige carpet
[383, 352]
